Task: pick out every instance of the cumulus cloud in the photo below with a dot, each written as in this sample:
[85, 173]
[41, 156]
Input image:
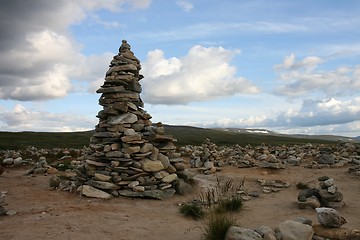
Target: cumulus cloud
[304, 77]
[31, 120]
[37, 53]
[203, 74]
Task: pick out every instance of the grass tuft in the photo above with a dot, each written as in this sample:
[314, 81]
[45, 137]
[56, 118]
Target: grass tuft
[230, 204]
[192, 210]
[216, 226]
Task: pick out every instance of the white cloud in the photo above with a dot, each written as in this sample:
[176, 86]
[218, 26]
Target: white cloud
[304, 77]
[185, 5]
[330, 115]
[205, 73]
[21, 118]
[38, 57]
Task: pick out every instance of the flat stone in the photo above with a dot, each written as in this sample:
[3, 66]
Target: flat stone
[131, 150]
[97, 164]
[154, 194]
[92, 192]
[151, 166]
[103, 185]
[123, 119]
[131, 138]
[147, 147]
[102, 177]
[169, 178]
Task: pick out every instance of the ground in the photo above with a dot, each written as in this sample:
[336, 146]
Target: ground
[43, 213]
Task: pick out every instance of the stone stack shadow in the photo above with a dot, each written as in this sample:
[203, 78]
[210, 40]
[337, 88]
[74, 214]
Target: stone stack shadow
[129, 155]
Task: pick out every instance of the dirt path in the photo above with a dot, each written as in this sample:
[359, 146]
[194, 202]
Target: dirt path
[49, 214]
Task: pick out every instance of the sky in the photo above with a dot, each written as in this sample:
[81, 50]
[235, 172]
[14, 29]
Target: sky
[285, 65]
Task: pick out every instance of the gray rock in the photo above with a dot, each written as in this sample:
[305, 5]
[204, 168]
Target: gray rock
[292, 230]
[18, 161]
[329, 217]
[330, 197]
[326, 158]
[40, 170]
[54, 181]
[8, 161]
[182, 187]
[11, 213]
[237, 233]
[186, 175]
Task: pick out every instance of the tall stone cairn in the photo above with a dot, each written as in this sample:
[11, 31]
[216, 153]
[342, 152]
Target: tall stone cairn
[129, 155]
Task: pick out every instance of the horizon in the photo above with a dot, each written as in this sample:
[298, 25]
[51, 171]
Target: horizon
[286, 66]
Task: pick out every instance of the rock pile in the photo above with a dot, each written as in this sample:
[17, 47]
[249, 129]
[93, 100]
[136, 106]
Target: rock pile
[130, 156]
[274, 157]
[326, 195]
[330, 196]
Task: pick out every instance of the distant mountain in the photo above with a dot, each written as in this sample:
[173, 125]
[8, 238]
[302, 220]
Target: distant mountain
[183, 134]
[302, 136]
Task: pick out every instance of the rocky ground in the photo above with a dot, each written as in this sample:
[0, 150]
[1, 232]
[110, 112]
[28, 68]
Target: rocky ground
[38, 212]
[31, 209]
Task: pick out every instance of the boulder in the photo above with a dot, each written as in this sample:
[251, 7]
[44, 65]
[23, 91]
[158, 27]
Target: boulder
[329, 217]
[237, 233]
[292, 230]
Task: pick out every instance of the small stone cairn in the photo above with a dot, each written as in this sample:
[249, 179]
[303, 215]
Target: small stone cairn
[326, 195]
[330, 195]
[129, 155]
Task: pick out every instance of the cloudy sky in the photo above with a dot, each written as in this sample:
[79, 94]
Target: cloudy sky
[288, 66]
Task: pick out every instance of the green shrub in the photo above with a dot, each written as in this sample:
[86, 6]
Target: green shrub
[216, 226]
[193, 210]
[230, 204]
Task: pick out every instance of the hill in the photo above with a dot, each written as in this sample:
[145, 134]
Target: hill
[184, 135]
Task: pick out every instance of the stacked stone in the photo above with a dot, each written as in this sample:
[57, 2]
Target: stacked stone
[130, 156]
[330, 196]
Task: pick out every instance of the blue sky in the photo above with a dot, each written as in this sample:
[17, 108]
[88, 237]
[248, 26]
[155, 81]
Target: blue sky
[287, 66]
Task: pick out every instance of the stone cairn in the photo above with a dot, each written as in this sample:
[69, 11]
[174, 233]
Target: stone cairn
[326, 195]
[129, 155]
